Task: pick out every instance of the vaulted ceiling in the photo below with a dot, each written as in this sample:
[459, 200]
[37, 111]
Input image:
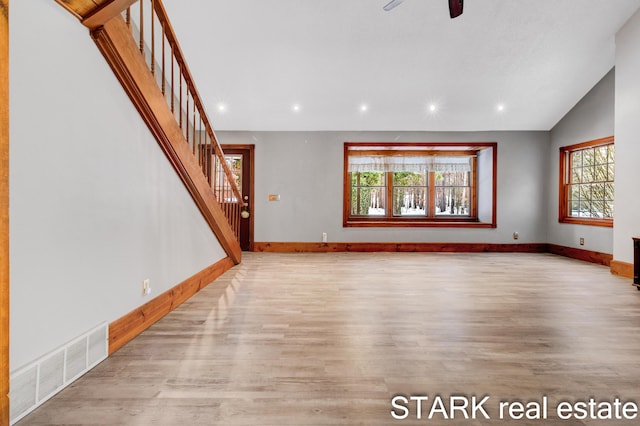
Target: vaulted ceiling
[349, 65]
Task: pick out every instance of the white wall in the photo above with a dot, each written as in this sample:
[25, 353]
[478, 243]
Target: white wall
[306, 169]
[95, 206]
[592, 118]
[627, 126]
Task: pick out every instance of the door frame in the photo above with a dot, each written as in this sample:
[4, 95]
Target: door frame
[251, 150]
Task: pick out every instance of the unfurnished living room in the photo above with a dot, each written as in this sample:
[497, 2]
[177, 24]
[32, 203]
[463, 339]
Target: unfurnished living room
[336, 212]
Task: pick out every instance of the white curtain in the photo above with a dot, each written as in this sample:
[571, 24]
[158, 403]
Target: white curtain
[402, 163]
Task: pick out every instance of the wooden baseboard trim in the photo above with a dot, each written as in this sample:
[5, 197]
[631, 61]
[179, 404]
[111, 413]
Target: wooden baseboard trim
[622, 269]
[135, 322]
[296, 247]
[300, 247]
[581, 254]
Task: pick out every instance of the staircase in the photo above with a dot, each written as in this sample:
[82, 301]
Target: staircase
[138, 42]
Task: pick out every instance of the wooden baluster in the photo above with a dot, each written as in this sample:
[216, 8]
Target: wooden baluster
[194, 127]
[142, 27]
[164, 41]
[197, 141]
[128, 17]
[237, 216]
[200, 144]
[186, 115]
[234, 218]
[207, 142]
[180, 100]
[217, 175]
[213, 168]
[221, 182]
[213, 173]
[153, 39]
[204, 157]
[173, 93]
[203, 145]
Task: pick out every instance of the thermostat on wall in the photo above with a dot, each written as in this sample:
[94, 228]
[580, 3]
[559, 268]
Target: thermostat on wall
[274, 197]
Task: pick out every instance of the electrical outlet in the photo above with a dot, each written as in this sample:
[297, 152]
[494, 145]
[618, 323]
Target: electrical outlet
[324, 237]
[515, 235]
[581, 241]
[146, 287]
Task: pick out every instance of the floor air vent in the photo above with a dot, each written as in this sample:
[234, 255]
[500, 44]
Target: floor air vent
[35, 383]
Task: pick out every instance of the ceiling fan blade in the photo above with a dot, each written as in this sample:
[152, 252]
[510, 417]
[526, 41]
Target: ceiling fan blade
[455, 8]
[392, 5]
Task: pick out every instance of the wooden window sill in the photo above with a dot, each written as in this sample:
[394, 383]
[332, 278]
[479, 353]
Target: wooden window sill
[587, 221]
[416, 223]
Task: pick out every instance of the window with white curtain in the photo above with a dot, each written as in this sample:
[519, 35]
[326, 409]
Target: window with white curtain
[422, 184]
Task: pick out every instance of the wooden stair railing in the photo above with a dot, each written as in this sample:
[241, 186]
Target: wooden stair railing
[138, 42]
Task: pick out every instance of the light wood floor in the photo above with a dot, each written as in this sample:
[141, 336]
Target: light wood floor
[330, 339]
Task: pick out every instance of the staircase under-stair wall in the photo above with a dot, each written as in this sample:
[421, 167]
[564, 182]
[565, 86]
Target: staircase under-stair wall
[138, 42]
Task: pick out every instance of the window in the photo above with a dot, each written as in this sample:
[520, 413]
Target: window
[586, 183]
[420, 184]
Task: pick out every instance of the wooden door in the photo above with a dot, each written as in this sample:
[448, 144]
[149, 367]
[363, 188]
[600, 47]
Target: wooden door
[241, 157]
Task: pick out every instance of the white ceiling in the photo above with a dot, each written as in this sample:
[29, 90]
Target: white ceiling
[259, 58]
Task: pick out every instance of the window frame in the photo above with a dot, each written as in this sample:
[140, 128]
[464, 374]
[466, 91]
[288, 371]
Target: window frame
[431, 220]
[565, 184]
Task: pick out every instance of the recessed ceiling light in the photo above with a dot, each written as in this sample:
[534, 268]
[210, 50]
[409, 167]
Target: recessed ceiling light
[500, 107]
[222, 107]
[433, 108]
[364, 108]
[296, 107]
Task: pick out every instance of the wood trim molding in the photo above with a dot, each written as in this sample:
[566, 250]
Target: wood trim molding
[293, 247]
[415, 223]
[494, 195]
[587, 221]
[135, 322]
[121, 52]
[581, 254]
[622, 269]
[588, 144]
[563, 185]
[430, 220]
[4, 213]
